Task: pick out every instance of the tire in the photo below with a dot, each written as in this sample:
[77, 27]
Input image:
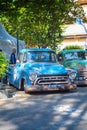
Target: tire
[22, 85]
[7, 81]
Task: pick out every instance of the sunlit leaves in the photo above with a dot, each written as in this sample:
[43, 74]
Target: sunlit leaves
[38, 22]
[3, 65]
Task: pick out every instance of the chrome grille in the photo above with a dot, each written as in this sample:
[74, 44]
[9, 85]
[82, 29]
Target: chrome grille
[52, 79]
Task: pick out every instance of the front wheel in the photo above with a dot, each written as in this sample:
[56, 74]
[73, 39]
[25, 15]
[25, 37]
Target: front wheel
[6, 80]
[22, 86]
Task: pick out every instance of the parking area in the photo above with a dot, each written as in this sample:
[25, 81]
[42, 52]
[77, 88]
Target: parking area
[46, 111]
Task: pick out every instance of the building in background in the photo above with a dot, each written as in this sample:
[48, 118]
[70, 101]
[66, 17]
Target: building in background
[75, 34]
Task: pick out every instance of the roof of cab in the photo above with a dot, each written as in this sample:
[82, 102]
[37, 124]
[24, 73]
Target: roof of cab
[73, 50]
[36, 49]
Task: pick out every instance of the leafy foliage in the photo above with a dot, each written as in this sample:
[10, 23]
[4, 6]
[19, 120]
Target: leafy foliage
[3, 65]
[73, 47]
[38, 22]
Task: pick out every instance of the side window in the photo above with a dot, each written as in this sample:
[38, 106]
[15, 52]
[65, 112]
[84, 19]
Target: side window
[86, 55]
[25, 58]
[53, 57]
[81, 55]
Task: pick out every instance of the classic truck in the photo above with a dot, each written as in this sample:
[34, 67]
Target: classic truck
[37, 69]
[77, 60]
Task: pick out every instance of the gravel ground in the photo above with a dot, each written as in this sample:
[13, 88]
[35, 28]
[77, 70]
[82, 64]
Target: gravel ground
[3, 94]
[9, 92]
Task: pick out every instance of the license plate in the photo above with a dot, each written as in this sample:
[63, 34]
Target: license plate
[54, 86]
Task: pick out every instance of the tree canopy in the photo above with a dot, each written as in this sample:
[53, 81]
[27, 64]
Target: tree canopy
[39, 22]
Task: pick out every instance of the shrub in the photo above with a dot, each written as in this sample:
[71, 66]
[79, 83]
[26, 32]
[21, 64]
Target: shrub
[3, 65]
[73, 47]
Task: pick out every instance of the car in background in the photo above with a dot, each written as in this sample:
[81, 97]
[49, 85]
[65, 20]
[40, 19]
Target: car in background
[37, 69]
[77, 60]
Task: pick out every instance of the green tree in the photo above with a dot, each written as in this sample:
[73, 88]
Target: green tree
[39, 22]
[3, 65]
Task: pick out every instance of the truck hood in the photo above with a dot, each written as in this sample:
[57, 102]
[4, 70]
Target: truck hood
[76, 64]
[46, 68]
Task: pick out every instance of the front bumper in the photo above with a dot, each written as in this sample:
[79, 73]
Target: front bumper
[81, 78]
[50, 88]
[83, 82]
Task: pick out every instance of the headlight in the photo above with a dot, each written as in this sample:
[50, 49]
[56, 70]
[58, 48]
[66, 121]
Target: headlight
[72, 75]
[33, 76]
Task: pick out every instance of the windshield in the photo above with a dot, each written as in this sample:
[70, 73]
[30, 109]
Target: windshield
[41, 56]
[75, 55]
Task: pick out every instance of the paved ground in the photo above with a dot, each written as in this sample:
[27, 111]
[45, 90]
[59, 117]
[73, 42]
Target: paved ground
[46, 111]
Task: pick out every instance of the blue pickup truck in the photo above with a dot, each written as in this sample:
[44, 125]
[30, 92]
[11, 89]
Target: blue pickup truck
[37, 69]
